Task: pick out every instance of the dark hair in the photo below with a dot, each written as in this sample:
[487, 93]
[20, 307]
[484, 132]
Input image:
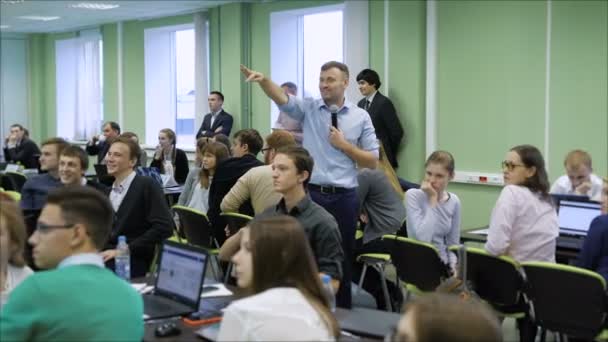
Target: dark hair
[113, 125]
[134, 149]
[531, 157]
[15, 225]
[59, 142]
[445, 317]
[222, 138]
[333, 64]
[75, 151]
[83, 204]
[215, 92]
[281, 255]
[18, 126]
[292, 87]
[444, 158]
[280, 138]
[220, 151]
[301, 159]
[252, 138]
[371, 77]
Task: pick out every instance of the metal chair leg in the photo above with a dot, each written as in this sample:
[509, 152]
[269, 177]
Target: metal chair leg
[361, 278]
[387, 297]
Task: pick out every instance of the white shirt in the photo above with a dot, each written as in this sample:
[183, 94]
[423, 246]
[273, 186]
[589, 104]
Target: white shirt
[278, 314]
[213, 117]
[370, 98]
[119, 191]
[14, 276]
[563, 186]
[522, 226]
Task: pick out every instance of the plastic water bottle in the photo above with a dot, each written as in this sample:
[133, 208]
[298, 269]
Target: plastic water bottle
[329, 291]
[122, 261]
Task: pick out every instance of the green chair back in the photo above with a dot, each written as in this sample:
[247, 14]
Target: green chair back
[417, 263]
[13, 194]
[195, 226]
[236, 221]
[567, 299]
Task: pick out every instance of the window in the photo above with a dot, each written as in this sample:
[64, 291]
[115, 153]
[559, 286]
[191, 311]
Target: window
[299, 45]
[79, 85]
[170, 82]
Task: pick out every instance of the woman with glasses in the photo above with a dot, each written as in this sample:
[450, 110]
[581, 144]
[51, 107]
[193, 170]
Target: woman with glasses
[433, 214]
[169, 159]
[524, 223]
[287, 301]
[13, 269]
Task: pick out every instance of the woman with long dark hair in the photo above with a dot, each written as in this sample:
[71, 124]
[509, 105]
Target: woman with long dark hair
[169, 159]
[287, 301]
[524, 222]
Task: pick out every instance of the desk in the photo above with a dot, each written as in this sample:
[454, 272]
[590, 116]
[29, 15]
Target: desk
[566, 251]
[367, 323]
[172, 194]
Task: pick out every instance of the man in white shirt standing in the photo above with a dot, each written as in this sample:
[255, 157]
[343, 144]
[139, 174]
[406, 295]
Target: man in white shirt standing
[218, 121]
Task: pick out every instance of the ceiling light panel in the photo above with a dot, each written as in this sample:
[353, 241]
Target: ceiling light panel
[38, 17]
[94, 6]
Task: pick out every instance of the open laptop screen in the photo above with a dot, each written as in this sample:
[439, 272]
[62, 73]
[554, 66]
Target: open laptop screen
[181, 273]
[575, 217]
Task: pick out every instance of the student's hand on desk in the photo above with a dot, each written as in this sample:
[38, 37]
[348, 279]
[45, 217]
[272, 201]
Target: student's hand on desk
[251, 75]
[583, 188]
[336, 138]
[108, 254]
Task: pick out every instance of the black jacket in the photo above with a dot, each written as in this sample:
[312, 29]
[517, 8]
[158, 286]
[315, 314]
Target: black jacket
[180, 167]
[100, 150]
[27, 153]
[223, 119]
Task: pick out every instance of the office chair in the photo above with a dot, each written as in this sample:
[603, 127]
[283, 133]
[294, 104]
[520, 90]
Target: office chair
[556, 308]
[197, 230]
[236, 221]
[12, 181]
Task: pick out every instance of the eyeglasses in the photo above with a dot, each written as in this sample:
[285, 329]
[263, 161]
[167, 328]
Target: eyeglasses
[510, 165]
[266, 149]
[48, 227]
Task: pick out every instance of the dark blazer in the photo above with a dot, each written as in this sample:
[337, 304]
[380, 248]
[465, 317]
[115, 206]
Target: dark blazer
[144, 218]
[27, 153]
[223, 119]
[387, 125]
[226, 175]
[180, 166]
[99, 149]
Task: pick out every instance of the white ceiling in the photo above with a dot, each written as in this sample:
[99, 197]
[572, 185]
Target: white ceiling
[76, 18]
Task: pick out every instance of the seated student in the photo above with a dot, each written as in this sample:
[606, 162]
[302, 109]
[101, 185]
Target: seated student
[433, 214]
[196, 188]
[594, 254]
[256, 184]
[579, 179]
[291, 170]
[143, 156]
[141, 210]
[76, 299]
[524, 223]
[13, 269]
[169, 159]
[382, 212]
[73, 164]
[288, 302]
[35, 189]
[99, 145]
[223, 139]
[20, 149]
[443, 317]
[247, 144]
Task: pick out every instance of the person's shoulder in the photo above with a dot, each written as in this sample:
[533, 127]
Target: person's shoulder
[226, 113]
[562, 180]
[595, 179]
[455, 198]
[601, 222]
[323, 216]
[414, 193]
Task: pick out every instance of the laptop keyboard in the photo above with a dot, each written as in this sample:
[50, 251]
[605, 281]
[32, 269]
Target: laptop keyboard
[154, 305]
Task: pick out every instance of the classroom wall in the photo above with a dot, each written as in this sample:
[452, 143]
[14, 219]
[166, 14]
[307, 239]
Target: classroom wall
[240, 33]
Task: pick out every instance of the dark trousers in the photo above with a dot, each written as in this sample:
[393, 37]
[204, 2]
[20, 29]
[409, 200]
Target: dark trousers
[344, 207]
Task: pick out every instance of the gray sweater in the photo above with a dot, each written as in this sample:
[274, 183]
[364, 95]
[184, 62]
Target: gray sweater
[382, 204]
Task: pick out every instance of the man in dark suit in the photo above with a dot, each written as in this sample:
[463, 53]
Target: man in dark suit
[99, 145]
[142, 215]
[383, 114]
[218, 121]
[20, 149]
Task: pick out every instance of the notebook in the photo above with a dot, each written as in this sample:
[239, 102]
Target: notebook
[181, 273]
[574, 217]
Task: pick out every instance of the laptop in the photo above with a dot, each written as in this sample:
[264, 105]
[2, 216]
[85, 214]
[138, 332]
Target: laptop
[574, 217]
[181, 273]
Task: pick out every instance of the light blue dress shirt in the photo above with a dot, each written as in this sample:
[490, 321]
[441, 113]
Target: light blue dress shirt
[332, 166]
[82, 259]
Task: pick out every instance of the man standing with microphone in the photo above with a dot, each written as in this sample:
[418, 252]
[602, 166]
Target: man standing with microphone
[340, 136]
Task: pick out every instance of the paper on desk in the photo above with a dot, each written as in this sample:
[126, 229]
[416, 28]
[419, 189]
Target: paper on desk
[142, 287]
[221, 291]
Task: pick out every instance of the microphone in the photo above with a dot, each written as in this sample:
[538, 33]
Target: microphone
[334, 115]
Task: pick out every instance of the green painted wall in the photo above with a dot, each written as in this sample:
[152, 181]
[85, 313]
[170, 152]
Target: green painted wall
[491, 79]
